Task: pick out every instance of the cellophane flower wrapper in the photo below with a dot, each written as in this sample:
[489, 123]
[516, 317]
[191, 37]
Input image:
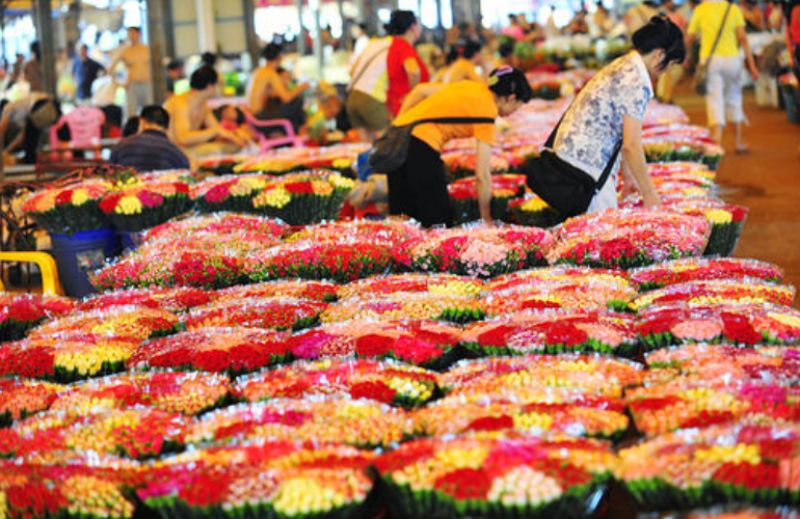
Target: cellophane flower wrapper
[279, 313]
[384, 232]
[411, 283]
[187, 393]
[744, 324]
[629, 238]
[137, 322]
[533, 211]
[321, 291]
[223, 165]
[221, 224]
[745, 464]
[303, 198]
[553, 332]
[428, 344]
[22, 312]
[177, 299]
[217, 350]
[464, 196]
[338, 157]
[399, 306]
[718, 291]
[697, 269]
[66, 357]
[360, 423]
[71, 209]
[572, 288]
[477, 251]
[473, 477]
[228, 193]
[388, 382]
[144, 206]
[20, 398]
[708, 154]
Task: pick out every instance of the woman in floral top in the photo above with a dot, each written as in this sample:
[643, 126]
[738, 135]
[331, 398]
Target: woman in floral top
[610, 110]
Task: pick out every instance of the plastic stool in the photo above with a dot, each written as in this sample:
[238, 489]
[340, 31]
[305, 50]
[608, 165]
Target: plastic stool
[47, 266]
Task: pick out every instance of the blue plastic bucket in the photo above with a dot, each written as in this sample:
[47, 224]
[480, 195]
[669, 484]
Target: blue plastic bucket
[79, 254]
[130, 241]
[363, 167]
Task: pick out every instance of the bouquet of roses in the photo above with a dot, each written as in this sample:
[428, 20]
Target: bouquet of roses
[71, 209]
[702, 269]
[66, 357]
[718, 291]
[220, 225]
[727, 222]
[461, 164]
[384, 381]
[304, 198]
[681, 169]
[20, 313]
[744, 464]
[477, 251]
[708, 154]
[137, 322]
[547, 89]
[301, 289]
[234, 350]
[410, 283]
[384, 232]
[424, 343]
[360, 423]
[624, 238]
[533, 211]
[553, 333]
[498, 478]
[457, 308]
[134, 209]
[174, 392]
[464, 196]
[731, 323]
[22, 398]
[228, 193]
[177, 299]
[279, 313]
[596, 418]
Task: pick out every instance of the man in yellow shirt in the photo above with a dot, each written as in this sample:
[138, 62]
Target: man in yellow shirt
[419, 188]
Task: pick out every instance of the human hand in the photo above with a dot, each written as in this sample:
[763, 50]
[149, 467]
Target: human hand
[753, 71]
[651, 200]
[230, 136]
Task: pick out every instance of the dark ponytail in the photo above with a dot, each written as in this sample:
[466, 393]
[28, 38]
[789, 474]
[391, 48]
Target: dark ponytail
[400, 22]
[507, 81]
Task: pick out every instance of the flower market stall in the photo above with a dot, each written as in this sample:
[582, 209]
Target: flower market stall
[252, 355]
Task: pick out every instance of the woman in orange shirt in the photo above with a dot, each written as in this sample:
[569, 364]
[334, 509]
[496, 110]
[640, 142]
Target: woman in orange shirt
[419, 188]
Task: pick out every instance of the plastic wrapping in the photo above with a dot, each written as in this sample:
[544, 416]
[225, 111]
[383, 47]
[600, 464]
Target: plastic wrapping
[137, 322]
[279, 313]
[21, 312]
[70, 209]
[718, 291]
[697, 269]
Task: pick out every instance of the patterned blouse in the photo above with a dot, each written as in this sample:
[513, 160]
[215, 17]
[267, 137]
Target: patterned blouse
[592, 126]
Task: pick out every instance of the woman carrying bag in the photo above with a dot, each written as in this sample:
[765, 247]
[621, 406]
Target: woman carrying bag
[432, 115]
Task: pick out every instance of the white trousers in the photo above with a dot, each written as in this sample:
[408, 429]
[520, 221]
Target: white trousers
[138, 95]
[724, 95]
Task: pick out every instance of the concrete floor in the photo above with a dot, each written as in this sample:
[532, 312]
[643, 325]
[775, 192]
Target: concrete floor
[767, 181]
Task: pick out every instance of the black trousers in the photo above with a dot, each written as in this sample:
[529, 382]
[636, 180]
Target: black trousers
[419, 188]
[796, 67]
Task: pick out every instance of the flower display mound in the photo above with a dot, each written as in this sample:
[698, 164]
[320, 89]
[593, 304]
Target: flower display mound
[553, 332]
[269, 479]
[143, 206]
[70, 209]
[464, 196]
[533, 211]
[689, 401]
[702, 269]
[535, 378]
[383, 381]
[21, 312]
[228, 193]
[682, 169]
[399, 306]
[705, 153]
[477, 251]
[220, 224]
[745, 324]
[462, 164]
[342, 261]
[360, 423]
[303, 198]
[279, 313]
[742, 464]
[577, 288]
[629, 238]
[177, 299]
[718, 291]
[66, 357]
[22, 398]
[384, 232]
[503, 478]
[189, 268]
[218, 350]
[338, 157]
[427, 344]
[301, 289]
[137, 322]
[727, 221]
[596, 417]
[139, 433]
[409, 283]
[171, 391]
[767, 365]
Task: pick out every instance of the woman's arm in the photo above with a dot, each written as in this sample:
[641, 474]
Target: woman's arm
[483, 178]
[751, 63]
[633, 159]
[413, 72]
[279, 90]
[419, 94]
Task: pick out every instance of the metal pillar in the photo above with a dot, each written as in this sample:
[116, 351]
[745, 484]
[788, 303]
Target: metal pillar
[156, 31]
[169, 41]
[206, 31]
[249, 13]
[43, 17]
[318, 43]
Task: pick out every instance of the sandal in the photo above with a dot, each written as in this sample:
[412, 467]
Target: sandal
[742, 150]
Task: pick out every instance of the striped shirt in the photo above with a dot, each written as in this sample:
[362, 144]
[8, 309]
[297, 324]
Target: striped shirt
[150, 150]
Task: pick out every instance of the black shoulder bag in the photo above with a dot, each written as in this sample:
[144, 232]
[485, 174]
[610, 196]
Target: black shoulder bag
[390, 151]
[565, 188]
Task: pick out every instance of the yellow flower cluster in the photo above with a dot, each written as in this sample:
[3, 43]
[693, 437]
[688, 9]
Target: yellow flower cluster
[787, 319]
[304, 496]
[80, 196]
[340, 182]
[89, 361]
[129, 205]
[533, 421]
[719, 216]
[97, 436]
[534, 204]
[456, 289]
[524, 485]
[741, 453]
[92, 497]
[342, 163]
[3, 505]
[410, 388]
[247, 185]
[277, 198]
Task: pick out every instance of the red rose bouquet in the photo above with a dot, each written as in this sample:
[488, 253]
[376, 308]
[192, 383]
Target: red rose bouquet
[141, 207]
[464, 196]
[301, 289]
[188, 268]
[235, 350]
[727, 221]
[697, 269]
[137, 322]
[71, 209]
[461, 164]
[303, 198]
[22, 398]
[383, 381]
[384, 232]
[410, 283]
[257, 312]
[228, 193]
[177, 299]
[220, 225]
[20, 313]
